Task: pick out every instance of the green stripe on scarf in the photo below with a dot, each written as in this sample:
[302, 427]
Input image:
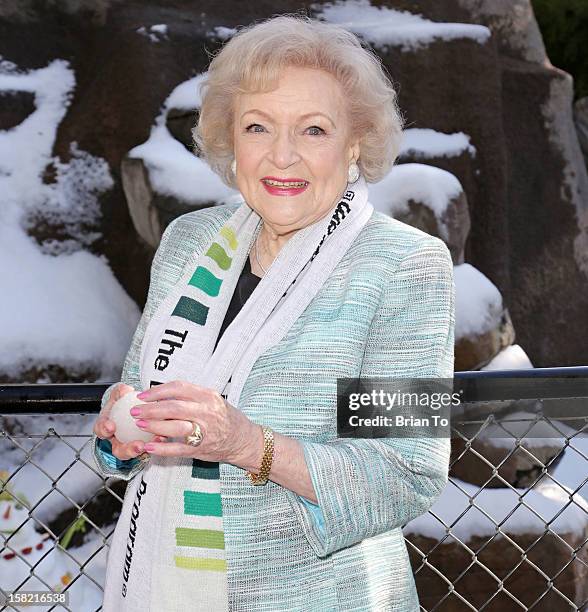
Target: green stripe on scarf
[202, 504]
[204, 279]
[197, 563]
[202, 538]
[205, 469]
[192, 310]
[229, 235]
[219, 255]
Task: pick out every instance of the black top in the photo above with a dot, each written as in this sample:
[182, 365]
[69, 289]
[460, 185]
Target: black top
[244, 288]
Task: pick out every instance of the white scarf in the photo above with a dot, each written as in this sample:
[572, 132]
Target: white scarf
[168, 549]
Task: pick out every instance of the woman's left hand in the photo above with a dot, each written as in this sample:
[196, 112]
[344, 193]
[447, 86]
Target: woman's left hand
[172, 408]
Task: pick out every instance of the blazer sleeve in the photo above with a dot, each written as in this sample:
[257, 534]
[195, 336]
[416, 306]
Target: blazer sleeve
[365, 487]
[109, 465]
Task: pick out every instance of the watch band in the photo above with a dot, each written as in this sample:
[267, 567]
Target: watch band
[266, 462]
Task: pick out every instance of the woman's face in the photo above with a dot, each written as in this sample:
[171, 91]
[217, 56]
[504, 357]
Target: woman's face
[298, 132]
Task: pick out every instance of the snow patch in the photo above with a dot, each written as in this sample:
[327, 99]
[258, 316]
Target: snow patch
[560, 498]
[222, 32]
[423, 183]
[426, 143]
[511, 358]
[173, 170]
[383, 26]
[155, 33]
[549, 507]
[66, 309]
[478, 303]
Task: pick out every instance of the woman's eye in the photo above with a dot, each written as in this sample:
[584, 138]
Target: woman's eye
[318, 131]
[254, 125]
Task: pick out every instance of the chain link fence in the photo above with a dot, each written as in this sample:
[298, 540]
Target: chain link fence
[509, 531]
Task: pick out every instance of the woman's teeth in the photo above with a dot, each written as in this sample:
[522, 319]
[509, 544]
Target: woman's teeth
[284, 184]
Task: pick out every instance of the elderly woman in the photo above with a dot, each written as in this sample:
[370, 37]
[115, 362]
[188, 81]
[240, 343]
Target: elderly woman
[254, 311]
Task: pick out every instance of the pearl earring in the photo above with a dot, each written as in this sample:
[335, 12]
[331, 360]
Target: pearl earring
[234, 166]
[353, 173]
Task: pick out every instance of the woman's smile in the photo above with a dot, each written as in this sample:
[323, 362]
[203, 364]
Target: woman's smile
[284, 187]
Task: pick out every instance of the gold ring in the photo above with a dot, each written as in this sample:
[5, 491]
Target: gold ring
[196, 436]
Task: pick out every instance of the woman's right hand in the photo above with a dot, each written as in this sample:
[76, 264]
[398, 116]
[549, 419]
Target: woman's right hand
[104, 427]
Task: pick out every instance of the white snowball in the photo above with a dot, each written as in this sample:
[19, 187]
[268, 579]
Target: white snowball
[126, 429]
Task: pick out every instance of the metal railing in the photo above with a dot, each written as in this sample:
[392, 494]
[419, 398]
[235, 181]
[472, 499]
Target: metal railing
[509, 531]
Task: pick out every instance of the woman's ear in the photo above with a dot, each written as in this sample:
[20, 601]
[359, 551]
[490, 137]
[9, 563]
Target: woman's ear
[354, 150]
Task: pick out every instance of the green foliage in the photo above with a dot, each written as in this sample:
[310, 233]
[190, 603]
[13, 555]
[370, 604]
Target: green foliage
[564, 26]
[78, 525]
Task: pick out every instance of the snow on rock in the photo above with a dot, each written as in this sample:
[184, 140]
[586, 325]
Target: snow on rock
[511, 358]
[572, 470]
[66, 309]
[186, 95]
[222, 32]
[383, 26]
[478, 303]
[535, 430]
[155, 33]
[426, 143]
[551, 505]
[561, 497]
[78, 181]
[432, 186]
[173, 170]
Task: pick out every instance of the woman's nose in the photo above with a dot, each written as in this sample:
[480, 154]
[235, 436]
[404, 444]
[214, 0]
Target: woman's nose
[284, 150]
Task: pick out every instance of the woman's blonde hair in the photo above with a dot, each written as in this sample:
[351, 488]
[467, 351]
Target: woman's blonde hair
[252, 60]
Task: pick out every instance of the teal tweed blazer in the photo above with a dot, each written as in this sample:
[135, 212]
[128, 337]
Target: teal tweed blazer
[386, 310]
